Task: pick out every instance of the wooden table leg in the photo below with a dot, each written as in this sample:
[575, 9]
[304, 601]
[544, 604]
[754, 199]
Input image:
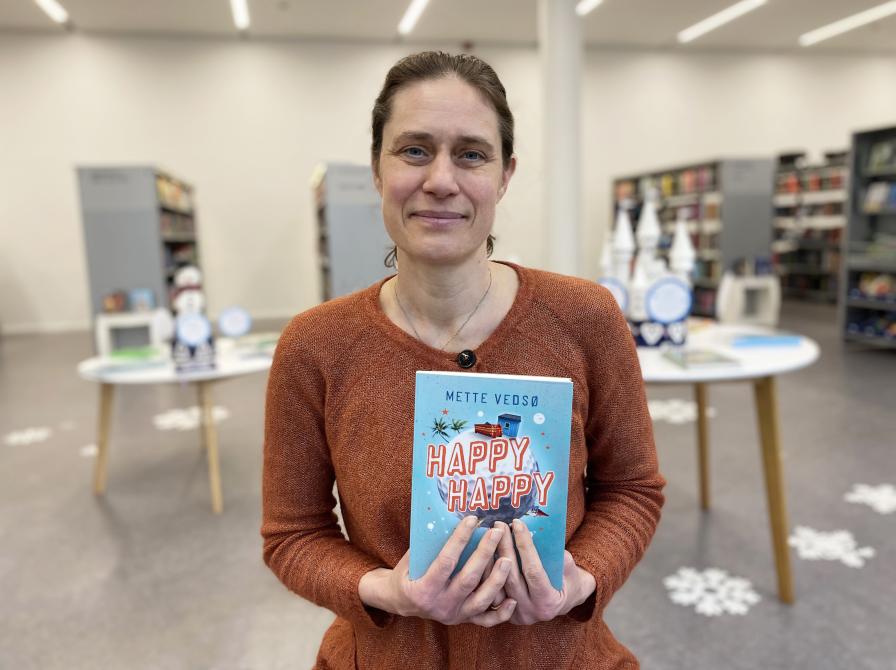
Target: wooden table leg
[211, 444]
[767, 414]
[702, 444]
[102, 439]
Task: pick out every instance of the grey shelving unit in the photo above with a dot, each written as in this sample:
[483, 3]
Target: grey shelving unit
[352, 241]
[730, 214]
[139, 227]
[868, 279]
[810, 202]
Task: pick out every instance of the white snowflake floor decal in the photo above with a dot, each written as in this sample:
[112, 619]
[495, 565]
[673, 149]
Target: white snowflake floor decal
[27, 436]
[676, 410]
[711, 592]
[881, 499]
[839, 545]
[187, 419]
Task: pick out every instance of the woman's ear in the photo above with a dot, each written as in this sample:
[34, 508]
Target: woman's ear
[506, 175]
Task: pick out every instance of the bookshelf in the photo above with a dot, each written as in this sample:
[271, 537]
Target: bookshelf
[139, 228]
[351, 238]
[868, 277]
[809, 220]
[727, 203]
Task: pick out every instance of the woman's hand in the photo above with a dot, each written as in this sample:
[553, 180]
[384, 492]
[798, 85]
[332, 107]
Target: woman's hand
[536, 599]
[464, 598]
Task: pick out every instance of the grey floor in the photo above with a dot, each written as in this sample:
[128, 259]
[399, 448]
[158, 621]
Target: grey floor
[148, 577]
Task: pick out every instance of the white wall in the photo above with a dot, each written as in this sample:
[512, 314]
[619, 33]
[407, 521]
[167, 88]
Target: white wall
[245, 121]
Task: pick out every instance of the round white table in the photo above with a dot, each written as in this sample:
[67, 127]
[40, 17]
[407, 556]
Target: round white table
[108, 373]
[756, 364]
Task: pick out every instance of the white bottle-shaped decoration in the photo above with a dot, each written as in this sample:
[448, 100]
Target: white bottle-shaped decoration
[648, 236]
[682, 254]
[606, 258]
[623, 245]
[637, 310]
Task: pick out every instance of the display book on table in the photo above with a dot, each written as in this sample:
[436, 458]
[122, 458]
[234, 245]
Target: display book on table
[493, 446]
[693, 358]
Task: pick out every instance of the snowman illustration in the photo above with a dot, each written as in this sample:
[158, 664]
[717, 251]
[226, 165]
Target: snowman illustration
[193, 345]
[506, 512]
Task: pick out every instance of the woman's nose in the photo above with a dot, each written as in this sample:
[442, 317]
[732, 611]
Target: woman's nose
[441, 179]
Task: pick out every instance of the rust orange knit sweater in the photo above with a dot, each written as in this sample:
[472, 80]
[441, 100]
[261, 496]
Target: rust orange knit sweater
[340, 406]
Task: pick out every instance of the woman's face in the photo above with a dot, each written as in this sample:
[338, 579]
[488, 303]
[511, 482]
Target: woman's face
[440, 171]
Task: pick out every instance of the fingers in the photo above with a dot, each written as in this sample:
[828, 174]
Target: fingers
[500, 596]
[533, 572]
[465, 581]
[514, 586]
[440, 571]
[479, 601]
[491, 617]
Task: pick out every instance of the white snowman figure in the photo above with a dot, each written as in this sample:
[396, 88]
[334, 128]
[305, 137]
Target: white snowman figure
[193, 345]
[505, 466]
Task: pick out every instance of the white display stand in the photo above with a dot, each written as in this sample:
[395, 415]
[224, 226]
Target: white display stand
[749, 300]
[106, 323]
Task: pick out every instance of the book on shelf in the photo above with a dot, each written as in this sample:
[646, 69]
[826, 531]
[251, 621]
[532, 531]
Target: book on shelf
[495, 447]
[876, 197]
[698, 359]
[882, 155]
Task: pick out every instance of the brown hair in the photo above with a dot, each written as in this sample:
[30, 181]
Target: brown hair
[436, 65]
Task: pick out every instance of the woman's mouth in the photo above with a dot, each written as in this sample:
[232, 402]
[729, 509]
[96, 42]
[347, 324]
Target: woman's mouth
[438, 217]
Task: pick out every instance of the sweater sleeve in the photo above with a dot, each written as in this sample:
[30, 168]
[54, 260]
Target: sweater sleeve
[623, 486]
[303, 544]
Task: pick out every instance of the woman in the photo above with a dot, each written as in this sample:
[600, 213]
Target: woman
[340, 406]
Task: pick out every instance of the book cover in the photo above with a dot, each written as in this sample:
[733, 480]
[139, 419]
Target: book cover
[876, 197]
[766, 340]
[492, 446]
[692, 359]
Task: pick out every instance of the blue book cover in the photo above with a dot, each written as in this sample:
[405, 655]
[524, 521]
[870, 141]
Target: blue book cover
[766, 340]
[494, 446]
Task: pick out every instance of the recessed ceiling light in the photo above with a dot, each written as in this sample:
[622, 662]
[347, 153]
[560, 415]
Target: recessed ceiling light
[240, 11]
[847, 24]
[411, 14]
[725, 16]
[54, 10]
[586, 6]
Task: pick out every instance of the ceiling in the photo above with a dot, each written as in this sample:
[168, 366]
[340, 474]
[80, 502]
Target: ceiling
[615, 23]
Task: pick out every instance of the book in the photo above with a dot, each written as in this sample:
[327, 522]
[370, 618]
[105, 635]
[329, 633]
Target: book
[882, 155]
[876, 197]
[130, 359]
[692, 359]
[492, 446]
[766, 340]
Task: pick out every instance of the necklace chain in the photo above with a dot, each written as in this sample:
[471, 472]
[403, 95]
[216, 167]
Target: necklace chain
[456, 332]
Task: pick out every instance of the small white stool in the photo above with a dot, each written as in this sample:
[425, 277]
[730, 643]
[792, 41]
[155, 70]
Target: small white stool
[749, 300]
[156, 323]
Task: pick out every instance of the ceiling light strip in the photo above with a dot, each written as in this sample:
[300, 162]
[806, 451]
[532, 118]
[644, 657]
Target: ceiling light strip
[240, 11]
[847, 24]
[587, 6]
[716, 20]
[411, 14]
[54, 10]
